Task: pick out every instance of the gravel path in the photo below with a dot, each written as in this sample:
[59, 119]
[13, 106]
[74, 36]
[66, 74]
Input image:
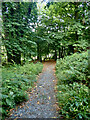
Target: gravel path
[42, 102]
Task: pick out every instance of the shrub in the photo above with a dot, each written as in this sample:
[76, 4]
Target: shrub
[73, 68]
[15, 81]
[73, 82]
[73, 100]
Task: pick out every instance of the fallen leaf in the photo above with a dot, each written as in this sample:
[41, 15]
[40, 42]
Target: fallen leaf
[57, 108]
[20, 106]
[21, 114]
[56, 102]
[60, 91]
[11, 110]
[27, 106]
[49, 98]
[38, 102]
[53, 117]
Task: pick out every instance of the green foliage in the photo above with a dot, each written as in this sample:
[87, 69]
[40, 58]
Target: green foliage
[17, 31]
[16, 80]
[29, 30]
[66, 24]
[81, 45]
[73, 68]
[73, 100]
[73, 82]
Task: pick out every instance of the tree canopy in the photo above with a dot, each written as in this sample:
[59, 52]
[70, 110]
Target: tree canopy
[59, 28]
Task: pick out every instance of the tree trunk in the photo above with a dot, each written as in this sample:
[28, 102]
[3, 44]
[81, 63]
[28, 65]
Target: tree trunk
[29, 55]
[62, 52]
[17, 57]
[37, 51]
[55, 55]
[59, 53]
[70, 49]
[8, 37]
[40, 58]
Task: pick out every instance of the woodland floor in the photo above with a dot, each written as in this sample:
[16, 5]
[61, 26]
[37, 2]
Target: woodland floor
[42, 101]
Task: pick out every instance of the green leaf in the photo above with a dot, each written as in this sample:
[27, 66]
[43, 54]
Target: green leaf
[9, 102]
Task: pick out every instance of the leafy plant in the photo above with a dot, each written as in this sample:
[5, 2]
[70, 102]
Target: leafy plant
[73, 100]
[16, 80]
[73, 68]
[73, 83]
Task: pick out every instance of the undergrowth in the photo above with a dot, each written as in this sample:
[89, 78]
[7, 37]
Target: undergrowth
[73, 83]
[16, 81]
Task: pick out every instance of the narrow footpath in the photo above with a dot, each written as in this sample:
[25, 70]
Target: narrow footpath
[42, 100]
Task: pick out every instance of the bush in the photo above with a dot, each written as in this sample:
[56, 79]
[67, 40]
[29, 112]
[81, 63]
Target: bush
[73, 100]
[73, 68]
[73, 95]
[15, 81]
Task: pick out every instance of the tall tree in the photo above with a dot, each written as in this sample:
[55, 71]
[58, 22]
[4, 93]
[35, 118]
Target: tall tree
[16, 24]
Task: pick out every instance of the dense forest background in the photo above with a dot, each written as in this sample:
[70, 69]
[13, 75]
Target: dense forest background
[55, 30]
